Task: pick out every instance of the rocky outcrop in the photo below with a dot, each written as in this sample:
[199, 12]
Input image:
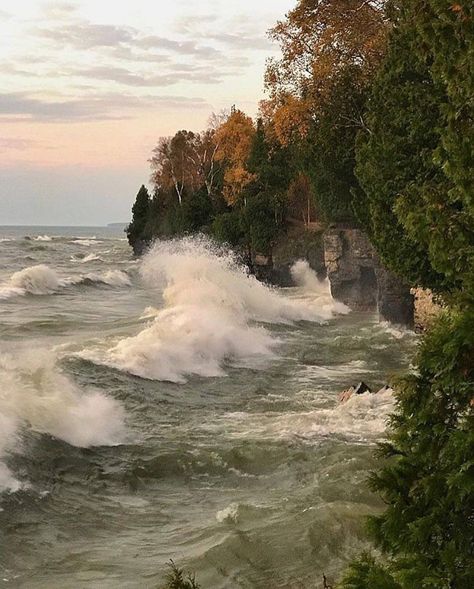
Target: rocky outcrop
[298, 244]
[349, 260]
[360, 280]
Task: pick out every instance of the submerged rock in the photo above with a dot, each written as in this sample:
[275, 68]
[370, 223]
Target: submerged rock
[362, 388]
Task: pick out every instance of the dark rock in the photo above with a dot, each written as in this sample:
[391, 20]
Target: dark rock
[140, 247]
[349, 259]
[359, 279]
[362, 388]
[395, 301]
[298, 244]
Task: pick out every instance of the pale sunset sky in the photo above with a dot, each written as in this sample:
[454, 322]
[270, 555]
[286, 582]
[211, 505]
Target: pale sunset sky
[88, 87]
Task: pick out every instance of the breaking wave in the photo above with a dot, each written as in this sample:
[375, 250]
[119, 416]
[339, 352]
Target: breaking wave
[35, 394]
[42, 280]
[362, 418]
[86, 241]
[212, 315]
[43, 238]
[89, 258]
[318, 290]
[110, 278]
[36, 280]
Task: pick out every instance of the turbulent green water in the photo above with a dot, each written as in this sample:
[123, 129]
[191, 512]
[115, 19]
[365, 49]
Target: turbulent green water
[205, 429]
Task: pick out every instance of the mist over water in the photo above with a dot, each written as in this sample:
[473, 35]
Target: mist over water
[178, 408]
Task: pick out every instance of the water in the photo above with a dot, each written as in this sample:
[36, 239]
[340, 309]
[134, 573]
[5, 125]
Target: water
[176, 408]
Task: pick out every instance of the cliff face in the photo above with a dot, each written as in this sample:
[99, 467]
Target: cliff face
[349, 260]
[297, 244]
[359, 280]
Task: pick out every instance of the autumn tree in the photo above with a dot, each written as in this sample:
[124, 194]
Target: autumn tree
[318, 40]
[318, 89]
[234, 139]
[170, 163]
[204, 158]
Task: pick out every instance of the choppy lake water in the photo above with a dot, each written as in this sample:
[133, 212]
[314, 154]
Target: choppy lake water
[176, 408]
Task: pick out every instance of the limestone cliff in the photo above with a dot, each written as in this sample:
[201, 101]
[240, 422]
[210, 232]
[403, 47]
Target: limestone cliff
[359, 279]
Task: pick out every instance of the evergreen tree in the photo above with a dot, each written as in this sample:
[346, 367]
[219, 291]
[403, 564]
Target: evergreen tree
[140, 212]
[329, 150]
[419, 215]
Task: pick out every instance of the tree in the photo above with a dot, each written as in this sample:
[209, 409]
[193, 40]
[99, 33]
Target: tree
[318, 89]
[234, 140]
[140, 211]
[330, 146]
[447, 33]
[396, 152]
[417, 209]
[427, 529]
[412, 209]
[174, 164]
[300, 199]
[319, 39]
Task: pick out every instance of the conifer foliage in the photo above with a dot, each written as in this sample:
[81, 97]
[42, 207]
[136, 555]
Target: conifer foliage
[415, 167]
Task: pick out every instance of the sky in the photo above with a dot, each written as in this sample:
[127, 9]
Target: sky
[87, 87]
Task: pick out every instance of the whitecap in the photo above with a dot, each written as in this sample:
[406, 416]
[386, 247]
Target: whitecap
[35, 394]
[86, 242]
[211, 315]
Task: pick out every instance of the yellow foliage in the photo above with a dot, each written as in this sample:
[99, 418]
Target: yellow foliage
[291, 120]
[234, 140]
[319, 39]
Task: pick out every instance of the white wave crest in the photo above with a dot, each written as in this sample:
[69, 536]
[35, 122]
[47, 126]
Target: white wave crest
[211, 306]
[43, 238]
[35, 394]
[110, 277]
[5, 239]
[361, 418]
[319, 290]
[89, 258]
[37, 280]
[42, 280]
[229, 514]
[86, 241]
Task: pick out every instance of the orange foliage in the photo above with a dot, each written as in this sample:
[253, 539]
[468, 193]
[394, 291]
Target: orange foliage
[320, 38]
[234, 140]
[291, 120]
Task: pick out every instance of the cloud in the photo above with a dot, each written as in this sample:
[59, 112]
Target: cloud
[20, 106]
[59, 10]
[238, 41]
[187, 47]
[86, 35]
[176, 73]
[245, 33]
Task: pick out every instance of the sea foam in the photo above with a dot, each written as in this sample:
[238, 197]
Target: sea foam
[35, 394]
[212, 315]
[43, 280]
